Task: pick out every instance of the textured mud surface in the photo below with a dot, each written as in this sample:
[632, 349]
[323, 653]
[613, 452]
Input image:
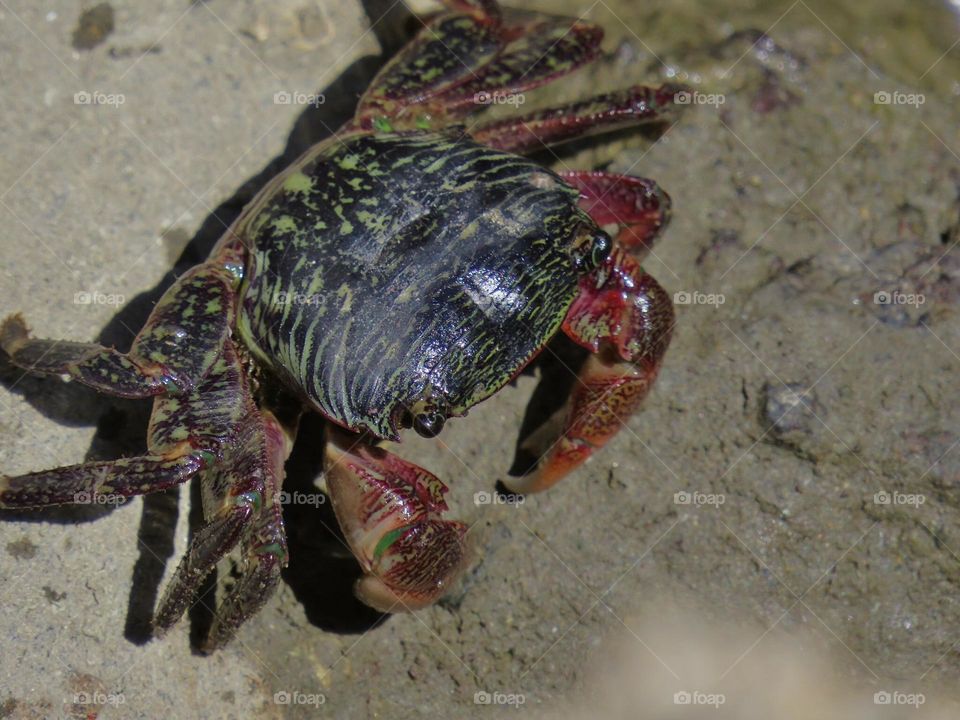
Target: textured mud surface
[796, 468]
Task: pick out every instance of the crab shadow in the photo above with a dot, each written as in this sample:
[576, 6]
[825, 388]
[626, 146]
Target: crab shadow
[321, 571]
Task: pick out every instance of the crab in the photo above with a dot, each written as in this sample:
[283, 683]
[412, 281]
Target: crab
[394, 276]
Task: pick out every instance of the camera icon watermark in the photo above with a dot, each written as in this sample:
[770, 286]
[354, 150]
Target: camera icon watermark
[896, 697]
[482, 697]
[484, 497]
[97, 697]
[895, 297]
[86, 97]
[698, 499]
[696, 697]
[85, 497]
[682, 297]
[287, 298]
[301, 498]
[499, 98]
[295, 697]
[895, 97]
[283, 97]
[95, 297]
[695, 97]
[885, 497]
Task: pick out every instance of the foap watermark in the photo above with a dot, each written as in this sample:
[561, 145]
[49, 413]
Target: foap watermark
[696, 498]
[298, 98]
[482, 697]
[97, 697]
[896, 697]
[285, 298]
[85, 97]
[301, 498]
[682, 297]
[695, 97]
[697, 697]
[499, 98]
[295, 697]
[885, 497]
[895, 97]
[895, 297]
[85, 497]
[95, 297]
[494, 498]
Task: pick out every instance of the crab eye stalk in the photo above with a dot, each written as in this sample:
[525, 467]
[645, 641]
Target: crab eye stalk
[600, 249]
[429, 424]
[590, 248]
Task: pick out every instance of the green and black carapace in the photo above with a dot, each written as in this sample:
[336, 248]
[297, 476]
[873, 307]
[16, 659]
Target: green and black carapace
[395, 275]
[415, 292]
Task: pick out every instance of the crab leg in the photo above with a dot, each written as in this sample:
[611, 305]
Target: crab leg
[539, 49]
[241, 501]
[186, 435]
[207, 548]
[601, 113]
[97, 482]
[265, 554]
[172, 352]
[216, 429]
[241, 506]
[460, 58]
[447, 52]
[390, 511]
[625, 317]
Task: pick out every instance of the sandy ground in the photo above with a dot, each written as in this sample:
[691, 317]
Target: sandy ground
[793, 484]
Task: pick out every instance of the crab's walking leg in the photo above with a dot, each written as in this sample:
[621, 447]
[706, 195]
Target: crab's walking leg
[639, 207]
[264, 551]
[537, 49]
[242, 506]
[101, 482]
[186, 434]
[625, 317]
[241, 496]
[461, 59]
[174, 350]
[390, 511]
[216, 430]
[601, 113]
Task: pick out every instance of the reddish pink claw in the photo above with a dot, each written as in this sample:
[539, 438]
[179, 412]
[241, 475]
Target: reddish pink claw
[390, 511]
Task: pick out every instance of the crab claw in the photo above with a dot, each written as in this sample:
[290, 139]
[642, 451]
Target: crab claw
[390, 510]
[626, 319]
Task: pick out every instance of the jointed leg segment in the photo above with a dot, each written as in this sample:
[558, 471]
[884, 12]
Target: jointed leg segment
[172, 353]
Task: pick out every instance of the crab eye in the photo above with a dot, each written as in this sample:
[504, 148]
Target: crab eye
[591, 248]
[600, 249]
[428, 425]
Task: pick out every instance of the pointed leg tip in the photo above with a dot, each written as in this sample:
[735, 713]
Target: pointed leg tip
[158, 631]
